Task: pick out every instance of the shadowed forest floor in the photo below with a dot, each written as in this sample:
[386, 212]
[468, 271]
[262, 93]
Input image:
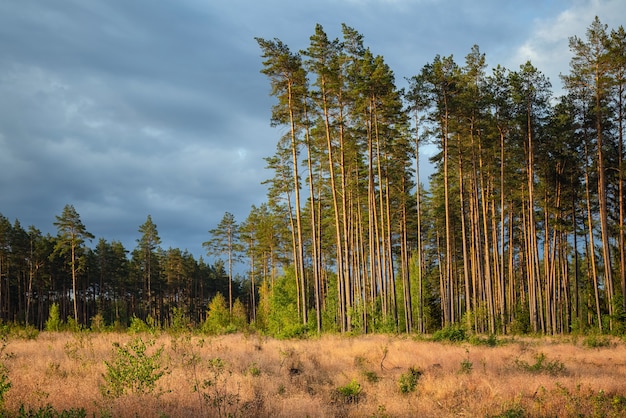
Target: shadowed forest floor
[116, 374]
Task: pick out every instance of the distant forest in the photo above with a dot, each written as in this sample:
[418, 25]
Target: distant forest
[521, 228]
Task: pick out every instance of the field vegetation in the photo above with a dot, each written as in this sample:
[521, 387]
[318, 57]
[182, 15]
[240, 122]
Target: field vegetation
[176, 374]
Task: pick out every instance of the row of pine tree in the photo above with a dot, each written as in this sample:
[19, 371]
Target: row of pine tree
[520, 230]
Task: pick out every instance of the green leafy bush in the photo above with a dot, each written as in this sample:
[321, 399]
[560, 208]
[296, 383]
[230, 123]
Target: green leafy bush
[408, 381]
[53, 323]
[597, 341]
[490, 341]
[49, 412]
[218, 317]
[132, 370]
[137, 326]
[452, 334]
[541, 365]
[5, 385]
[466, 366]
[351, 392]
[371, 376]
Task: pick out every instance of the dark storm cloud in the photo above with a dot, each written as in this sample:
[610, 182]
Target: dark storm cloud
[126, 108]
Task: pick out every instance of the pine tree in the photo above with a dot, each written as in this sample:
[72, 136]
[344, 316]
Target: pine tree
[148, 246]
[71, 237]
[225, 241]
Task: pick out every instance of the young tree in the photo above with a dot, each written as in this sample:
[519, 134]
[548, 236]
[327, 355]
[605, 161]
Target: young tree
[225, 241]
[71, 237]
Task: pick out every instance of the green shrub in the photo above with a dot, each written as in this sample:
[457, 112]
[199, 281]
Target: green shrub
[5, 385]
[132, 370]
[254, 370]
[370, 376]
[515, 412]
[408, 381]
[490, 341]
[73, 325]
[218, 317]
[597, 341]
[180, 321]
[53, 323]
[351, 392]
[137, 326]
[49, 412]
[452, 334]
[541, 365]
[466, 366]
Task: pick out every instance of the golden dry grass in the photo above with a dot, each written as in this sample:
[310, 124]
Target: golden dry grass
[296, 378]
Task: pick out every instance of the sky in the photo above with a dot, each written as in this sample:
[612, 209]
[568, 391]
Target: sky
[130, 108]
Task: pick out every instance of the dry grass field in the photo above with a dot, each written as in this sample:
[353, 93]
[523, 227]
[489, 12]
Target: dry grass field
[331, 376]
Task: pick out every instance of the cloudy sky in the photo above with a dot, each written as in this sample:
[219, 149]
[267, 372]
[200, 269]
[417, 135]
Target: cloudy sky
[126, 108]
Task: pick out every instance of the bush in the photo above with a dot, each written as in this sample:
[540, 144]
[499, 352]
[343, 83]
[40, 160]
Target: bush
[490, 341]
[408, 380]
[541, 365]
[451, 333]
[350, 392]
[218, 317]
[137, 326]
[132, 370]
[597, 341]
[54, 319]
[49, 412]
[5, 385]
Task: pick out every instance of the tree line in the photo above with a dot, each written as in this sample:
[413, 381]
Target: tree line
[520, 230]
[149, 283]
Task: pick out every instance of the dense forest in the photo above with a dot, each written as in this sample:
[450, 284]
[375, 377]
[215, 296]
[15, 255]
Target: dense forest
[520, 229]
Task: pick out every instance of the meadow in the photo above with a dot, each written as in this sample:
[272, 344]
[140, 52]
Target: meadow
[109, 374]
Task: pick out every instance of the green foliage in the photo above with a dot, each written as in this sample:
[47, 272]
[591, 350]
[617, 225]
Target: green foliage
[13, 330]
[53, 323]
[284, 320]
[466, 366]
[490, 341]
[351, 392]
[73, 325]
[179, 320]
[137, 326]
[515, 412]
[132, 370]
[263, 309]
[254, 370]
[520, 324]
[5, 384]
[330, 309]
[541, 365]
[218, 317]
[239, 319]
[597, 341]
[49, 412]
[371, 376]
[408, 381]
[453, 334]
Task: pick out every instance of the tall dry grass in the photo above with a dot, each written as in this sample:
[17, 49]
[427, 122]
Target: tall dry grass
[272, 378]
